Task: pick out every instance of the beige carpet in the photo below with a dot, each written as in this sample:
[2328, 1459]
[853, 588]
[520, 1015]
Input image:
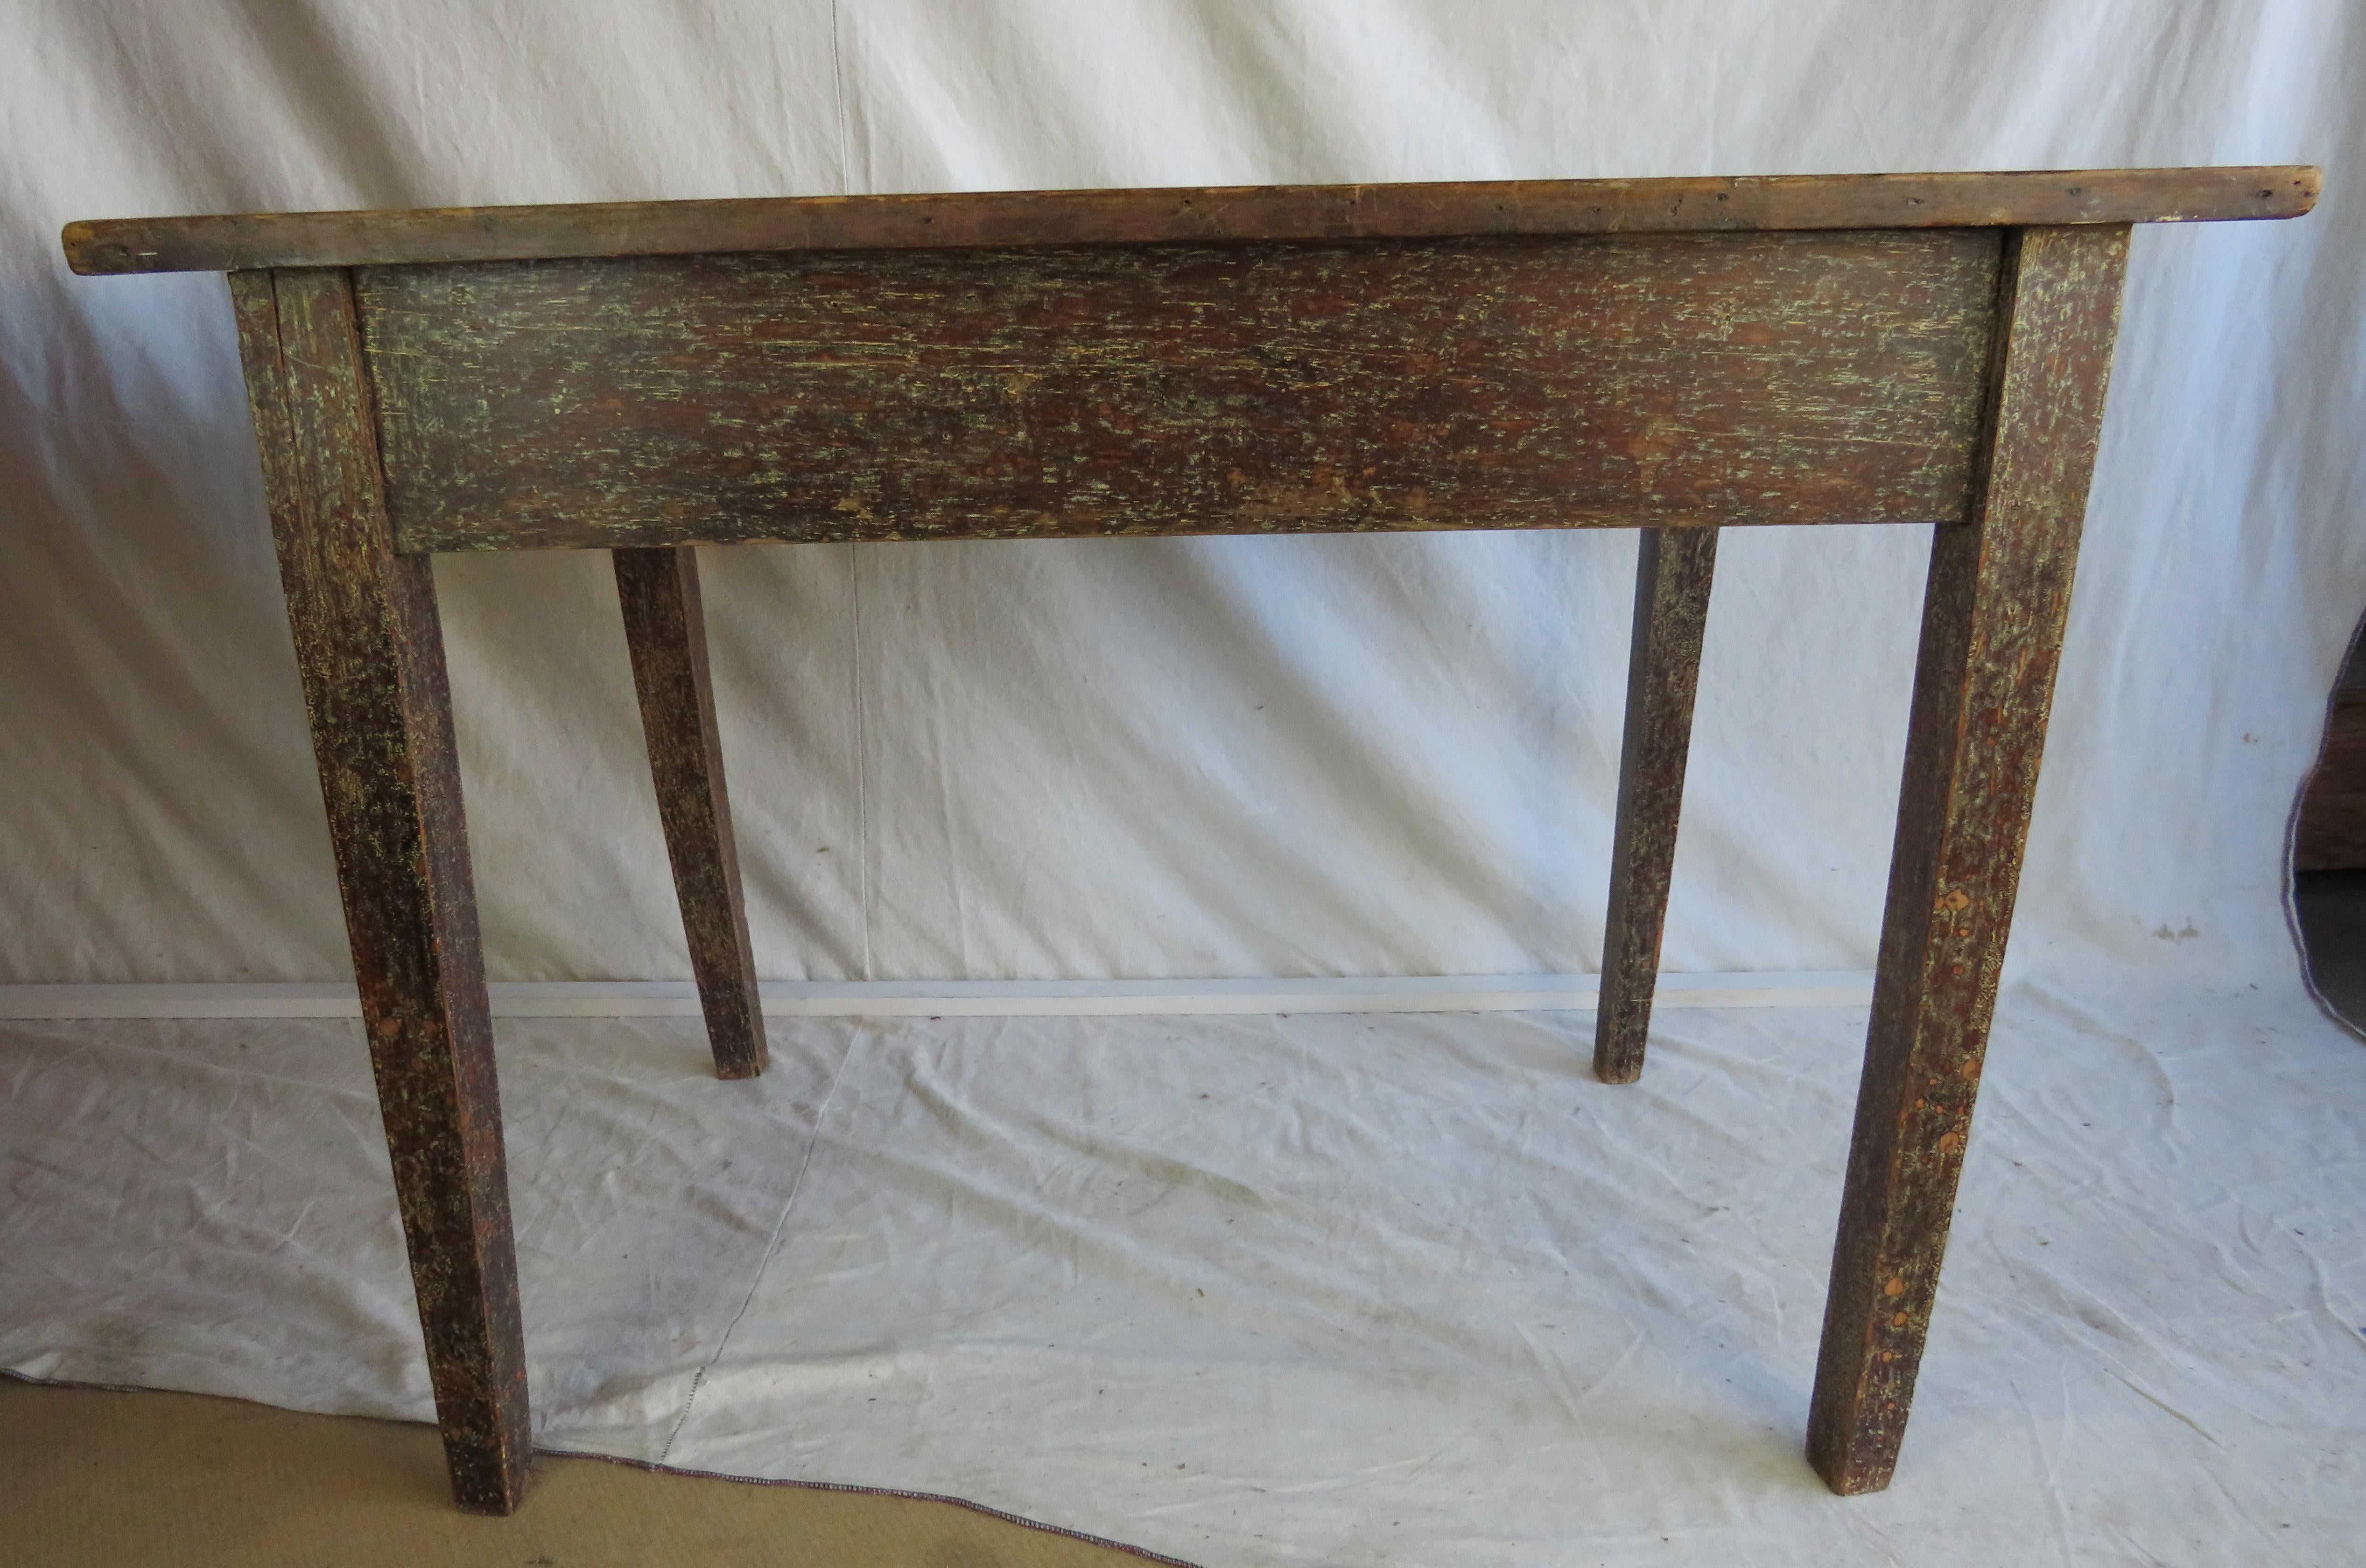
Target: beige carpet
[98, 1477]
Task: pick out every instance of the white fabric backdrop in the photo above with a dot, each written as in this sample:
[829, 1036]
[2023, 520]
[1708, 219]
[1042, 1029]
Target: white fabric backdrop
[1166, 758]
[1226, 757]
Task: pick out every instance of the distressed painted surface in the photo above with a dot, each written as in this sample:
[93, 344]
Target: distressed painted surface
[665, 630]
[371, 653]
[1680, 380]
[1672, 590]
[1999, 594]
[1145, 217]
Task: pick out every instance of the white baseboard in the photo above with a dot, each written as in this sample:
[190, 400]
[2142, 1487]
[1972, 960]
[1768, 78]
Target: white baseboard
[907, 999]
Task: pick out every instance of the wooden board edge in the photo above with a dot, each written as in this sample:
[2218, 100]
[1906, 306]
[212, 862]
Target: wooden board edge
[1228, 214]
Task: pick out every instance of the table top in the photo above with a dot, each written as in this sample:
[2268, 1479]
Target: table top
[1233, 213]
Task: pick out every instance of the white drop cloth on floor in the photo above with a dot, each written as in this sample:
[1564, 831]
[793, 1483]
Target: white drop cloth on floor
[1335, 1290]
[1461, 1305]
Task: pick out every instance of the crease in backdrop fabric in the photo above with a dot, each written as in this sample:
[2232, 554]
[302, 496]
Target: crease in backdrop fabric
[1180, 758]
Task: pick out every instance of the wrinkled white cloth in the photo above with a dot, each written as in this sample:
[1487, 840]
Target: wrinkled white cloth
[1332, 1290]
[1461, 1305]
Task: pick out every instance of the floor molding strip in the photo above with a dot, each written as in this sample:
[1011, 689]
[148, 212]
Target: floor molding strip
[938, 998]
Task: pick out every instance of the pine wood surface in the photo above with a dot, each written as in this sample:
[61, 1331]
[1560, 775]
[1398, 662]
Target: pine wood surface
[233, 241]
[108, 1478]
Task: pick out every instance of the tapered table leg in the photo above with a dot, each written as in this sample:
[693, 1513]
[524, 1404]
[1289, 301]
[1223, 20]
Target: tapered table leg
[666, 631]
[1992, 620]
[371, 653]
[1672, 588]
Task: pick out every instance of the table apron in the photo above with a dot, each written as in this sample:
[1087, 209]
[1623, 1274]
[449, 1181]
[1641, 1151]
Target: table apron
[1673, 380]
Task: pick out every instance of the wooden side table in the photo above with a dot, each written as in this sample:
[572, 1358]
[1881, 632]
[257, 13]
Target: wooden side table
[1674, 355]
